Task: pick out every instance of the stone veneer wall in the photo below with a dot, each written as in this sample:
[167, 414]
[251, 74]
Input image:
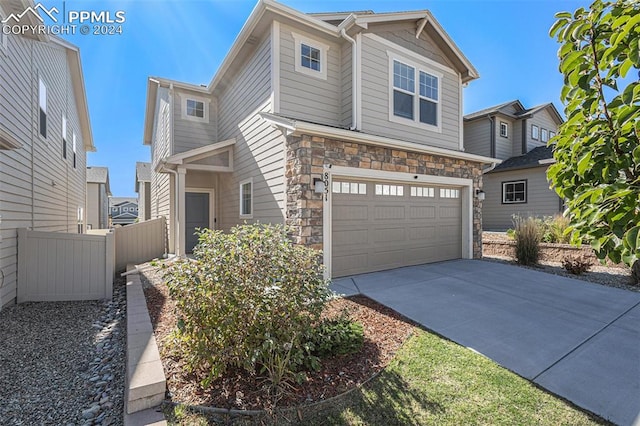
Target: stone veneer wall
[306, 156]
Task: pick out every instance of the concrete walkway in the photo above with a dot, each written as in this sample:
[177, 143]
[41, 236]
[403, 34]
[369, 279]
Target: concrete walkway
[579, 340]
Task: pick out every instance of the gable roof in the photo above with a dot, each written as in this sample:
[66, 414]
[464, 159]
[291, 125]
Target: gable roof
[117, 201]
[267, 10]
[143, 173]
[99, 175]
[494, 110]
[537, 157]
[522, 112]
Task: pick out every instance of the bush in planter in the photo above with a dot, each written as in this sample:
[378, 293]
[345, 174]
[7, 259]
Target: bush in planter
[527, 232]
[246, 301]
[577, 265]
[339, 336]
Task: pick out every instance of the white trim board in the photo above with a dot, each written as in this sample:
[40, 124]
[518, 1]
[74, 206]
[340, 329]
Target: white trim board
[466, 195]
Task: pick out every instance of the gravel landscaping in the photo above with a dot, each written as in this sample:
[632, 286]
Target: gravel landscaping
[64, 362]
[618, 276]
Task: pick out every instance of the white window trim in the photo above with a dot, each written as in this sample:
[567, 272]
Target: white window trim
[416, 100]
[542, 137]
[183, 102]
[322, 47]
[506, 129]
[242, 183]
[513, 182]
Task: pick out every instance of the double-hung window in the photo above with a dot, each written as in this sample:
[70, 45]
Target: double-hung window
[64, 137]
[415, 95]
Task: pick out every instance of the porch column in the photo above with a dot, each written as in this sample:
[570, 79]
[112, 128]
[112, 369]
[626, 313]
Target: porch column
[180, 229]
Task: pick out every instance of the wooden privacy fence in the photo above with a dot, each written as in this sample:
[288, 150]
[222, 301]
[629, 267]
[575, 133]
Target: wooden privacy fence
[54, 266]
[140, 242]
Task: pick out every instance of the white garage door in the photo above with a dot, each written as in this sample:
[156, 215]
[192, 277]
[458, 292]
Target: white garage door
[382, 225]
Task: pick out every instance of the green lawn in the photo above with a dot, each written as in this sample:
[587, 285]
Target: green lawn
[436, 382]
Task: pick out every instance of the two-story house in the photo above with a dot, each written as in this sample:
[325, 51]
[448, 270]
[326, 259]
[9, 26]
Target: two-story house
[518, 136]
[44, 134]
[143, 189]
[123, 210]
[345, 126]
[98, 193]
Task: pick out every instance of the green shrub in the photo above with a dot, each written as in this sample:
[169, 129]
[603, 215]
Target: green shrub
[553, 229]
[246, 301]
[511, 233]
[577, 265]
[339, 336]
[527, 240]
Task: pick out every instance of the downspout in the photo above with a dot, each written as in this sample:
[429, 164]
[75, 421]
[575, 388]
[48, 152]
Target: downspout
[163, 169]
[354, 79]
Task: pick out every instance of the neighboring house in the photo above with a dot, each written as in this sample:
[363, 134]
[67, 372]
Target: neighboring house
[98, 193]
[123, 210]
[345, 126]
[519, 136]
[44, 134]
[143, 189]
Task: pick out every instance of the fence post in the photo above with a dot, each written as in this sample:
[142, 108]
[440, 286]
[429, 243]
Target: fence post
[110, 264]
[22, 265]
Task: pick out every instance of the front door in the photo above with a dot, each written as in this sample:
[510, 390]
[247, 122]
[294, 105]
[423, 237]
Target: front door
[197, 212]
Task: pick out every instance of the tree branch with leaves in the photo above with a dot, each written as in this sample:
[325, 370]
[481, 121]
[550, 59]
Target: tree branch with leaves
[597, 150]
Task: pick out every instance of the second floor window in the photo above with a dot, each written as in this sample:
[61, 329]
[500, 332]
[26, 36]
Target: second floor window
[42, 104]
[309, 57]
[415, 94]
[504, 129]
[544, 135]
[534, 132]
[195, 108]
[74, 150]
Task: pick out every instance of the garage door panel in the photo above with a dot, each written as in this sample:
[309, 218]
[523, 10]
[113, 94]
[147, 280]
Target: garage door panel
[351, 212]
[422, 232]
[351, 237]
[388, 212]
[389, 235]
[373, 232]
[422, 212]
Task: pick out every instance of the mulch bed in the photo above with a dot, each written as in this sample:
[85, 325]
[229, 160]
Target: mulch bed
[384, 332]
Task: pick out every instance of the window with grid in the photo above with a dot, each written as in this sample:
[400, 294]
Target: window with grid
[514, 192]
[415, 97]
[338, 187]
[423, 191]
[309, 57]
[504, 129]
[391, 190]
[195, 108]
[535, 130]
[449, 193]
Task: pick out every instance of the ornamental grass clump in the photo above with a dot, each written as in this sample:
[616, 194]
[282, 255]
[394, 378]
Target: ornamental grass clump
[527, 235]
[247, 301]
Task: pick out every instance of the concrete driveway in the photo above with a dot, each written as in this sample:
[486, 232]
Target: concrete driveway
[579, 340]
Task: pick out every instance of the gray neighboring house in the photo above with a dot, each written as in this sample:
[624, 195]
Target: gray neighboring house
[345, 126]
[45, 133]
[143, 189]
[518, 136]
[98, 193]
[123, 210]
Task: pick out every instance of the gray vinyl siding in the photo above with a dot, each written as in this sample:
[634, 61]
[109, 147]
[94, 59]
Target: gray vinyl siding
[189, 134]
[543, 120]
[477, 137]
[307, 97]
[92, 211]
[38, 188]
[375, 102]
[541, 201]
[259, 148]
[405, 35]
[347, 80]
[160, 148]
[516, 138]
[504, 146]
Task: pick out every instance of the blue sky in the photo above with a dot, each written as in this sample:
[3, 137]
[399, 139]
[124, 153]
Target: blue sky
[186, 40]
